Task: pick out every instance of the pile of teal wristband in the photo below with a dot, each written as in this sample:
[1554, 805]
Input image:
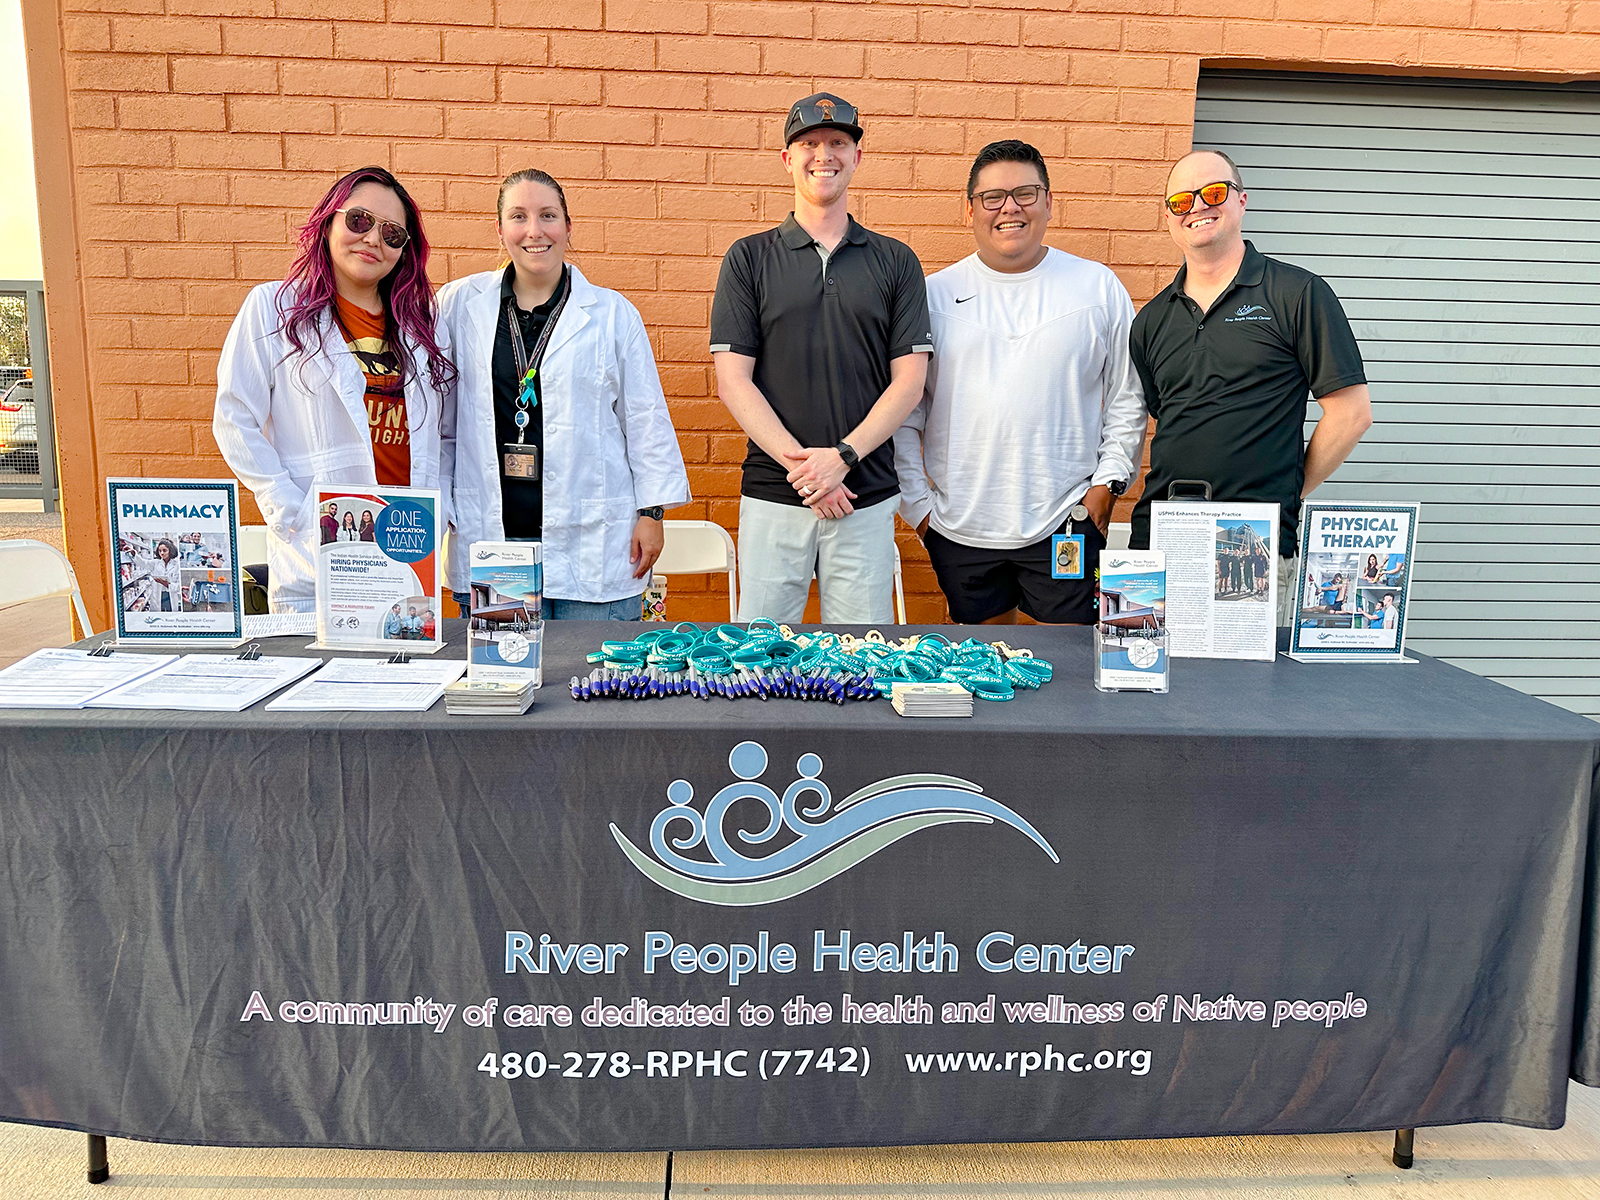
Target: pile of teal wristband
[767, 661]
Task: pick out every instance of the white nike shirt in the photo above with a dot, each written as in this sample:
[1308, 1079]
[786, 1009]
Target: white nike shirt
[1031, 399]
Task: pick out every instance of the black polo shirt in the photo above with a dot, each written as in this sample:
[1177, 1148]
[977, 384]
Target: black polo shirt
[822, 334]
[522, 500]
[1228, 387]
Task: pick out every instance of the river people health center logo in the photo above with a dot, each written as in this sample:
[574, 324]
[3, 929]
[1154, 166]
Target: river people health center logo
[827, 839]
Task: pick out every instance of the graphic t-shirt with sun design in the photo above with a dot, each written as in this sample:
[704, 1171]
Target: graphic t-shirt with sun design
[386, 401]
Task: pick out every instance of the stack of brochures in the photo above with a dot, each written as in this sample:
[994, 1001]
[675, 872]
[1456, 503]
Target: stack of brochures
[931, 700]
[486, 697]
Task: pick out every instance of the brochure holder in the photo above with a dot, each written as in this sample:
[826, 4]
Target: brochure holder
[505, 630]
[1130, 661]
[1130, 632]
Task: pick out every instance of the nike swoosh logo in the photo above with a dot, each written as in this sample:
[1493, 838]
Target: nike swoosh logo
[974, 296]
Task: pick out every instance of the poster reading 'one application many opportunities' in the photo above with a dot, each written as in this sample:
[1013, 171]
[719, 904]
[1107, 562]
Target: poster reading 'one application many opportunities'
[378, 569]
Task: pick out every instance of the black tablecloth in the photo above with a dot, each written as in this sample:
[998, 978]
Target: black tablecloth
[232, 929]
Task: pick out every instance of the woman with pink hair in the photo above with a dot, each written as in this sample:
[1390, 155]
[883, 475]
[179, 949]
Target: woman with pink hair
[338, 375]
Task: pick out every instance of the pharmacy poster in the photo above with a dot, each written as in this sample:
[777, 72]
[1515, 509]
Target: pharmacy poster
[175, 557]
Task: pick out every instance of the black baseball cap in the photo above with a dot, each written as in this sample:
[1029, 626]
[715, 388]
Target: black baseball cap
[821, 111]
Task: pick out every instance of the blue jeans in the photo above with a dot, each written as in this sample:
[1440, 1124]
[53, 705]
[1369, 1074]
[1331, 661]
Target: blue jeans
[628, 608]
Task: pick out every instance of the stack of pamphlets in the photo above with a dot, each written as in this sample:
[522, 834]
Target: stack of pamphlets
[488, 697]
[931, 700]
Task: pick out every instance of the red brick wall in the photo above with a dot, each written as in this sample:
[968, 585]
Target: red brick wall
[183, 139]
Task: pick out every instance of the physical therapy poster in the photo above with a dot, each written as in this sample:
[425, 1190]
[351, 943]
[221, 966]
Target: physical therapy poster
[175, 554]
[505, 633]
[378, 569]
[1222, 577]
[1355, 579]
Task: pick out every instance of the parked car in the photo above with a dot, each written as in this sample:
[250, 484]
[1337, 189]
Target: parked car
[19, 428]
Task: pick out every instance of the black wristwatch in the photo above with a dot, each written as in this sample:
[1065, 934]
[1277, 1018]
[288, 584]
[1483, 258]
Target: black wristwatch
[1116, 486]
[653, 513]
[848, 453]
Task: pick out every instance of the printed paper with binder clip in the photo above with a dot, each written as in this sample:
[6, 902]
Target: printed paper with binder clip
[209, 683]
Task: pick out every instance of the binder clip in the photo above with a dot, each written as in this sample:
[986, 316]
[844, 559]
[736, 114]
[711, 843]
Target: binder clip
[250, 653]
[105, 651]
[399, 660]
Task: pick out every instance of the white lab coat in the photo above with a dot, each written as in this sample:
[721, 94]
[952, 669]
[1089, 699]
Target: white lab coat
[287, 422]
[609, 445]
[154, 590]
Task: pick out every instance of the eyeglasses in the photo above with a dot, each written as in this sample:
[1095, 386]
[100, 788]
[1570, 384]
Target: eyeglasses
[995, 200]
[359, 221]
[1182, 203]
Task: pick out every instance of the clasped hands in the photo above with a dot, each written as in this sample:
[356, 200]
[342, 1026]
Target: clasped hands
[818, 475]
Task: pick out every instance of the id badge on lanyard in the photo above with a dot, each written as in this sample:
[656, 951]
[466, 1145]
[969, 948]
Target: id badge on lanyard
[518, 459]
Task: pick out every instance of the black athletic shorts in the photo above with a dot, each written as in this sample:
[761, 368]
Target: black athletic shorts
[980, 584]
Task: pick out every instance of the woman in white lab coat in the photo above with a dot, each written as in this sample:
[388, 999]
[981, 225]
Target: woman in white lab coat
[163, 588]
[580, 453]
[315, 368]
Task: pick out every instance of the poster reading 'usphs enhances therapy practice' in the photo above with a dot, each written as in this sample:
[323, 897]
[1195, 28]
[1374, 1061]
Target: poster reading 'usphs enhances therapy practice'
[378, 569]
[174, 551]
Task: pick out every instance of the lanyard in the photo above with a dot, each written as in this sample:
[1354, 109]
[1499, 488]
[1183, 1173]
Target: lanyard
[528, 365]
[768, 660]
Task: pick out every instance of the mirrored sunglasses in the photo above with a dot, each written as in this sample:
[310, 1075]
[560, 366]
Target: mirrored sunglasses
[1182, 203]
[826, 112]
[359, 221]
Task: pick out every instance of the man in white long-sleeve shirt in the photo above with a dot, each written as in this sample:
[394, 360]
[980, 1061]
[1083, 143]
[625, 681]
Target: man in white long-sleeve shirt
[1033, 417]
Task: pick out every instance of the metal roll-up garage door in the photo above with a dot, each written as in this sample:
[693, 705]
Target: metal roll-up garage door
[1459, 222]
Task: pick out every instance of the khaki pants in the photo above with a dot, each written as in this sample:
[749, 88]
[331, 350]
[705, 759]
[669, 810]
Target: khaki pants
[1288, 577]
[781, 546]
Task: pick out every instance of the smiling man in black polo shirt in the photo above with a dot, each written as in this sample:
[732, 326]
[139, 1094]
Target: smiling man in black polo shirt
[1228, 354]
[820, 337]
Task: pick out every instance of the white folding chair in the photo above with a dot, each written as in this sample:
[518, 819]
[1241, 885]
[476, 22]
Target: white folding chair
[1118, 535]
[31, 570]
[899, 590]
[700, 548]
[252, 545]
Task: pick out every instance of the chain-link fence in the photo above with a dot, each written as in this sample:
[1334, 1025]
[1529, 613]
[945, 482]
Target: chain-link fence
[27, 449]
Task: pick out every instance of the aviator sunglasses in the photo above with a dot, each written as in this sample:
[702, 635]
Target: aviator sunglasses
[1180, 204]
[359, 221]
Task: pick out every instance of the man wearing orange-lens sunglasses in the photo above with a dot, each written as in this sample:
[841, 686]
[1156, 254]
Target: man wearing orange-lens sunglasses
[1228, 353]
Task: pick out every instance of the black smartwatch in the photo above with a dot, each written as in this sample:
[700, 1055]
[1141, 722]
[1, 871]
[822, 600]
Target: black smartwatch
[1116, 486]
[848, 453]
[653, 513]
